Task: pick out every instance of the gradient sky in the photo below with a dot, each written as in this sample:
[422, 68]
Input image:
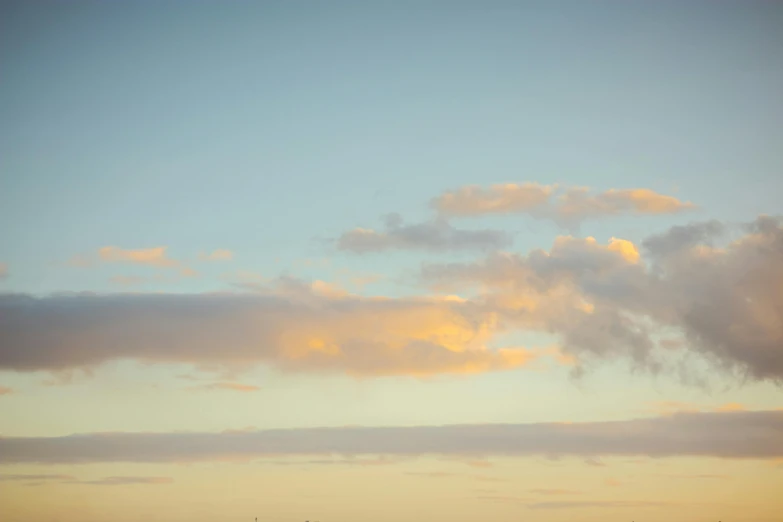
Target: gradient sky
[550, 229]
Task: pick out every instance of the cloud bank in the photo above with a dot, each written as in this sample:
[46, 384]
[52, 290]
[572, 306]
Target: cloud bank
[676, 294]
[292, 325]
[608, 301]
[735, 435]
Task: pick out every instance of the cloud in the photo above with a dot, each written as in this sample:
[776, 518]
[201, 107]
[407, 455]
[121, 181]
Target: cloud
[231, 386]
[436, 235]
[155, 257]
[736, 435]
[582, 504]
[669, 407]
[146, 256]
[595, 463]
[509, 198]
[566, 206]
[3, 270]
[602, 301]
[128, 280]
[556, 491]
[217, 255]
[291, 325]
[125, 481]
[38, 478]
[4, 390]
[610, 300]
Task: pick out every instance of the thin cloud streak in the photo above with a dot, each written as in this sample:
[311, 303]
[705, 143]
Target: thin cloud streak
[732, 435]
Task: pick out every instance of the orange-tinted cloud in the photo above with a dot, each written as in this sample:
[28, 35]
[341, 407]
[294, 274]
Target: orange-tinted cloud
[3, 270]
[607, 301]
[4, 390]
[155, 257]
[567, 206]
[498, 199]
[292, 325]
[144, 256]
[217, 255]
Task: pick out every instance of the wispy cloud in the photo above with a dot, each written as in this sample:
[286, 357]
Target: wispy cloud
[3, 270]
[155, 257]
[739, 435]
[567, 206]
[579, 504]
[5, 390]
[217, 255]
[126, 481]
[37, 479]
[556, 492]
[435, 235]
[230, 386]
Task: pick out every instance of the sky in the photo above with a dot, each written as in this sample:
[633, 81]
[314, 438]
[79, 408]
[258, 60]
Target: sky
[401, 260]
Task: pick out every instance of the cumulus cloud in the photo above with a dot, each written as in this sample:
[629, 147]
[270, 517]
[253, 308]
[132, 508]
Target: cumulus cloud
[567, 206]
[437, 235]
[291, 325]
[217, 255]
[736, 435]
[610, 300]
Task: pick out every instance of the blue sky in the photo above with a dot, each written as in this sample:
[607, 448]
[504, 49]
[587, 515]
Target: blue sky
[264, 128]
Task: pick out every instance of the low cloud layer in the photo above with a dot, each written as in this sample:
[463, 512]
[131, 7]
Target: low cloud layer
[435, 235]
[736, 435]
[291, 325]
[686, 291]
[567, 206]
[37, 480]
[679, 293]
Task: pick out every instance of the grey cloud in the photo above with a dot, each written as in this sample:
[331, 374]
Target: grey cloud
[291, 326]
[605, 301]
[435, 235]
[738, 435]
[681, 237]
